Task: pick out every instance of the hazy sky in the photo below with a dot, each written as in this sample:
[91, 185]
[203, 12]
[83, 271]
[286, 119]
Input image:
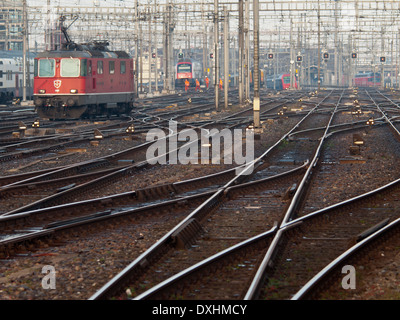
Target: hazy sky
[368, 25]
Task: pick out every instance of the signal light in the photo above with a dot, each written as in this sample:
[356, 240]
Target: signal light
[22, 126]
[270, 56]
[36, 123]
[326, 55]
[354, 55]
[211, 55]
[98, 134]
[130, 129]
[299, 58]
[153, 55]
[383, 59]
[180, 55]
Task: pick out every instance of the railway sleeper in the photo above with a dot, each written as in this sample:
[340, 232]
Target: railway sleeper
[185, 236]
[289, 193]
[156, 192]
[372, 230]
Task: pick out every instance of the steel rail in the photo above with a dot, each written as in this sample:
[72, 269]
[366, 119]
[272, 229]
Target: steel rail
[384, 114]
[218, 256]
[205, 263]
[326, 272]
[120, 278]
[260, 275]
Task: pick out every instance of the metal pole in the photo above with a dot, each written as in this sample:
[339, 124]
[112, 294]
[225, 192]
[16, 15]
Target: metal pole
[291, 55]
[319, 49]
[274, 67]
[336, 72]
[156, 47]
[391, 63]
[247, 50]
[25, 32]
[141, 58]
[340, 71]
[256, 98]
[240, 52]
[350, 62]
[149, 49]
[48, 31]
[205, 51]
[382, 67]
[165, 52]
[226, 56]
[169, 47]
[216, 66]
[277, 57]
[137, 49]
[397, 62]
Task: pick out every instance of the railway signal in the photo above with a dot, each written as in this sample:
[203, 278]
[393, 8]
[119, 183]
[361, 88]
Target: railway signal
[270, 56]
[153, 55]
[299, 58]
[382, 59]
[326, 55]
[36, 123]
[180, 55]
[211, 55]
[98, 134]
[130, 129]
[354, 55]
[22, 126]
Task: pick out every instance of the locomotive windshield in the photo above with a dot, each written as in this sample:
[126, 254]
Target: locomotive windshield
[46, 68]
[184, 68]
[70, 67]
[286, 80]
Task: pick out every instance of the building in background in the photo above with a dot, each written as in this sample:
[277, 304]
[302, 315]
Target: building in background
[11, 24]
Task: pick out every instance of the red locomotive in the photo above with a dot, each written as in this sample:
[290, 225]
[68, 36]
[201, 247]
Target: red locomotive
[282, 82]
[367, 79]
[187, 69]
[83, 81]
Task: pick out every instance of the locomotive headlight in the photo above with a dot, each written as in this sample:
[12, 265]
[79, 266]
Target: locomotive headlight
[73, 91]
[42, 91]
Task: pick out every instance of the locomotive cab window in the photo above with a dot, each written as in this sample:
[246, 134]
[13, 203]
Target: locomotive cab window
[111, 67]
[182, 68]
[70, 67]
[286, 80]
[99, 67]
[84, 67]
[47, 68]
[123, 67]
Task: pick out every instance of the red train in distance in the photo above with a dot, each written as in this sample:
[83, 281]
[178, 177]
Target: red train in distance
[83, 80]
[282, 82]
[367, 79]
[188, 69]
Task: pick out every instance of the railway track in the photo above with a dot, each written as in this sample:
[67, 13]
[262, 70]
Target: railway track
[192, 226]
[211, 243]
[25, 243]
[70, 180]
[173, 288]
